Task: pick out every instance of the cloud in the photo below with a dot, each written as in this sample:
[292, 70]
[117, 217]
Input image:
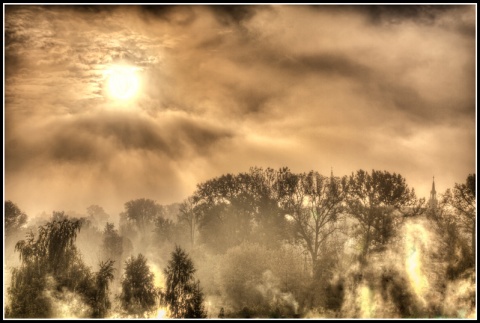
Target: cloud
[224, 88]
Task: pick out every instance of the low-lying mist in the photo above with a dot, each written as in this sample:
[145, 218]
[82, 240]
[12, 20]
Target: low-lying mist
[262, 244]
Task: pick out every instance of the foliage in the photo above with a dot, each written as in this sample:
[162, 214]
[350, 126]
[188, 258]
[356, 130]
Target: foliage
[189, 215]
[255, 237]
[164, 228]
[97, 215]
[463, 201]
[139, 294]
[142, 212]
[183, 295]
[102, 279]
[53, 256]
[313, 203]
[14, 217]
[112, 245]
[232, 209]
[25, 293]
[57, 239]
[376, 201]
[241, 272]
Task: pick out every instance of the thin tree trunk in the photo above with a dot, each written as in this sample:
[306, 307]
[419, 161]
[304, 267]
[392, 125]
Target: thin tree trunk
[365, 246]
[192, 231]
[473, 242]
[314, 262]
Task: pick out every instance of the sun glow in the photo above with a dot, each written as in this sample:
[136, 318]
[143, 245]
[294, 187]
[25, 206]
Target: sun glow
[161, 313]
[123, 82]
[416, 239]
[367, 305]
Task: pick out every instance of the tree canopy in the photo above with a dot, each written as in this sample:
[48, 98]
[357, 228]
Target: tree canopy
[142, 212]
[14, 217]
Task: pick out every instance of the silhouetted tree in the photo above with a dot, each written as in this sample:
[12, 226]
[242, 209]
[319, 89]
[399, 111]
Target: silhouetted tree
[142, 212]
[139, 294]
[97, 215]
[112, 245]
[183, 295]
[313, 203]
[242, 270]
[53, 256]
[14, 217]
[189, 215]
[454, 247]
[164, 228]
[463, 200]
[271, 227]
[58, 237]
[26, 291]
[372, 200]
[103, 277]
[232, 209]
[226, 218]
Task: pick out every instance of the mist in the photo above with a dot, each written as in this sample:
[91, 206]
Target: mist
[289, 161]
[261, 244]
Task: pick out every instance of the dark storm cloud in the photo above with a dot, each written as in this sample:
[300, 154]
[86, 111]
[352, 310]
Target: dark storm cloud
[234, 14]
[173, 14]
[425, 14]
[379, 85]
[90, 140]
[330, 63]
[395, 13]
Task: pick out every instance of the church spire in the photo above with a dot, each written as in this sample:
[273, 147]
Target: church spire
[433, 195]
[332, 179]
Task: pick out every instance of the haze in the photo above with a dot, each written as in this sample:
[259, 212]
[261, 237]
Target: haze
[227, 88]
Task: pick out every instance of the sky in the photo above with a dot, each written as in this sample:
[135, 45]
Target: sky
[220, 89]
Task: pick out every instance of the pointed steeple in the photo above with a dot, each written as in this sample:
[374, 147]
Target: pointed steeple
[433, 196]
[332, 179]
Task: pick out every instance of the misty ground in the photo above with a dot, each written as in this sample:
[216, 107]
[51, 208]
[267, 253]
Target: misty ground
[250, 243]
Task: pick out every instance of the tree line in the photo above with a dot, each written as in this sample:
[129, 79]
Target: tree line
[230, 217]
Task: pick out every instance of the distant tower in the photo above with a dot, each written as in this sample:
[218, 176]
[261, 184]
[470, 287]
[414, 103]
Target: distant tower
[433, 196]
[332, 180]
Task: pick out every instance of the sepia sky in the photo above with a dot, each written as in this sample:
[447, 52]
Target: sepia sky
[221, 89]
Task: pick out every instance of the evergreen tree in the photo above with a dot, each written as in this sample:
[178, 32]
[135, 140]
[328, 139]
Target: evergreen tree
[183, 295]
[102, 278]
[139, 294]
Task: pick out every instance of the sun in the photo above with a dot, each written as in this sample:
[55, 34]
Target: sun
[123, 82]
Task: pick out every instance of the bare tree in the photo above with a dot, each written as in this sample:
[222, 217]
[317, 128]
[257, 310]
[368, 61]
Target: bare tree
[373, 199]
[190, 216]
[313, 203]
